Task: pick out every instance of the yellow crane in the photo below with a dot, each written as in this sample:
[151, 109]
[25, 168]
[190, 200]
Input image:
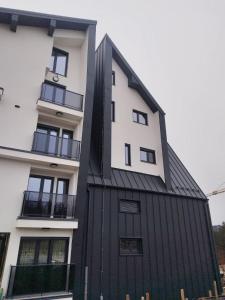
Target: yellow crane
[216, 192]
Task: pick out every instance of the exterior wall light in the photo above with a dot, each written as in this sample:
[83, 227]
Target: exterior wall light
[53, 165]
[55, 78]
[1, 92]
[59, 114]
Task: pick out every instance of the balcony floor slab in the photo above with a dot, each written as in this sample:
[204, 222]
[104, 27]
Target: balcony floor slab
[47, 223]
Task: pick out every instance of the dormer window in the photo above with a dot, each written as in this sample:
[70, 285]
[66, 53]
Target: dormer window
[140, 117]
[59, 61]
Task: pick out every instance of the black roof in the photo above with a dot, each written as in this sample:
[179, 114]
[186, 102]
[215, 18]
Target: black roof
[182, 182]
[28, 18]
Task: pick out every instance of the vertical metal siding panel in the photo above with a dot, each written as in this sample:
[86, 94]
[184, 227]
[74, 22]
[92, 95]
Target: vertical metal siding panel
[90, 238]
[204, 260]
[168, 284]
[191, 254]
[139, 260]
[147, 266]
[183, 245]
[172, 249]
[153, 247]
[96, 246]
[179, 257]
[106, 245]
[207, 257]
[196, 250]
[114, 245]
[122, 266]
[159, 247]
[212, 247]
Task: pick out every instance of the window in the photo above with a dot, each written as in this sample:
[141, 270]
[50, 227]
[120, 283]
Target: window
[140, 117]
[59, 61]
[43, 251]
[127, 155]
[147, 155]
[113, 111]
[131, 246]
[129, 206]
[113, 78]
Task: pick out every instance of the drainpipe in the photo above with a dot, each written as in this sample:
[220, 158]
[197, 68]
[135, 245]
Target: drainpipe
[102, 240]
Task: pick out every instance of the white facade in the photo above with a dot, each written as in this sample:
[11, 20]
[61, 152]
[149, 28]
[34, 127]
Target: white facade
[125, 131]
[24, 58]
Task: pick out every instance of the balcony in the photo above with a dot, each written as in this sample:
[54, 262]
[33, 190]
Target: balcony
[61, 96]
[40, 280]
[55, 146]
[46, 205]
[47, 210]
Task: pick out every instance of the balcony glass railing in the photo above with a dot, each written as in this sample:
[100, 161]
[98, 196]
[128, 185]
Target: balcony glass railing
[60, 96]
[56, 146]
[41, 279]
[48, 205]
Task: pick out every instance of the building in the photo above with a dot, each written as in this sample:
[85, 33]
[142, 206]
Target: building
[148, 224]
[47, 72]
[94, 202]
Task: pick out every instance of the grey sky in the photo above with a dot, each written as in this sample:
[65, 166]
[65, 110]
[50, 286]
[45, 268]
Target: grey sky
[177, 48]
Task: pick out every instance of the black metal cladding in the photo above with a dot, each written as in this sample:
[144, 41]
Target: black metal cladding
[174, 220]
[175, 236]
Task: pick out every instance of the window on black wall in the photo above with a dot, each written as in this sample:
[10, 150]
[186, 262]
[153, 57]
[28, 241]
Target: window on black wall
[140, 117]
[113, 78]
[129, 206]
[131, 246]
[59, 61]
[147, 155]
[113, 111]
[127, 155]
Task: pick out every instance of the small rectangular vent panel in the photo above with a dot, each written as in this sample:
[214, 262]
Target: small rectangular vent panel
[128, 206]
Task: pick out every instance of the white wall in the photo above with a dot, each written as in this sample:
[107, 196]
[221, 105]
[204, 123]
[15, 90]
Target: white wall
[124, 130]
[23, 60]
[14, 179]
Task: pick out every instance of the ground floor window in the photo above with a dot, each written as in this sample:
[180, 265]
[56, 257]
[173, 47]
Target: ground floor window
[43, 251]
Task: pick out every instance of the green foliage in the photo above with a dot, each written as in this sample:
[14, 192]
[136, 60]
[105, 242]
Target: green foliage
[219, 236]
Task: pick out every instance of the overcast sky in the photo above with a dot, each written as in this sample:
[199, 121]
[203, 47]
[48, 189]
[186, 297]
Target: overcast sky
[177, 48]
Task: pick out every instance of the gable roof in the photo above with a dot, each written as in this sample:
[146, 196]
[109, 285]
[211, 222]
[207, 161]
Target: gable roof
[133, 80]
[182, 182]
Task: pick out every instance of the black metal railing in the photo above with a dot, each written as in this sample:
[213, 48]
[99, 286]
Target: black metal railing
[41, 279]
[61, 96]
[56, 146]
[48, 205]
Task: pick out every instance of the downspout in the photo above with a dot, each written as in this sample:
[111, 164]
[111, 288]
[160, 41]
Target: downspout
[102, 240]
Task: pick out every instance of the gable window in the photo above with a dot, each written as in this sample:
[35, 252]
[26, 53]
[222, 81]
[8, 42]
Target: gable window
[129, 206]
[147, 155]
[113, 78]
[127, 155]
[43, 251]
[131, 246]
[113, 111]
[59, 61]
[140, 117]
